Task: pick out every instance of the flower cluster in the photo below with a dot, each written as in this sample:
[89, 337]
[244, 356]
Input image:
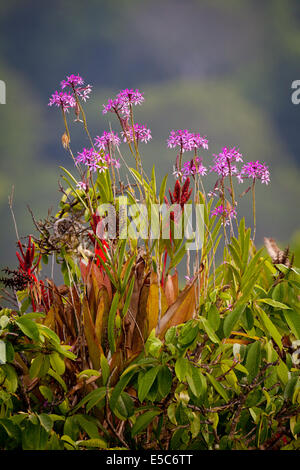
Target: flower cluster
[63, 99]
[186, 140]
[66, 99]
[193, 167]
[76, 82]
[107, 140]
[141, 132]
[256, 171]
[123, 101]
[92, 159]
[223, 162]
[226, 213]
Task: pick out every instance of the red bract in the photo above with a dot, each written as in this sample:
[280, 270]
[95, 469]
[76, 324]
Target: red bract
[100, 248]
[26, 259]
[181, 194]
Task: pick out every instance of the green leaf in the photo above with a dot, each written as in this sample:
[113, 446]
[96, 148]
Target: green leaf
[104, 369]
[36, 366]
[181, 366]
[128, 297]
[57, 363]
[218, 387]
[124, 380]
[11, 429]
[46, 421]
[269, 326]
[143, 421]
[28, 327]
[111, 322]
[292, 318]
[46, 392]
[211, 334]
[253, 360]
[124, 408]
[34, 437]
[98, 443]
[282, 372]
[164, 379]
[2, 352]
[146, 383]
[58, 379]
[92, 399]
[87, 423]
[195, 380]
[232, 318]
[163, 189]
[274, 303]
[235, 255]
[213, 318]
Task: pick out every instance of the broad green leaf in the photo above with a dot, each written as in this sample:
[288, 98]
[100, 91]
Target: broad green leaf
[147, 381]
[57, 363]
[195, 380]
[143, 421]
[181, 366]
[211, 334]
[213, 317]
[232, 318]
[28, 327]
[36, 366]
[282, 372]
[124, 380]
[269, 326]
[46, 421]
[218, 387]
[46, 392]
[292, 318]
[88, 424]
[253, 360]
[164, 379]
[124, 408]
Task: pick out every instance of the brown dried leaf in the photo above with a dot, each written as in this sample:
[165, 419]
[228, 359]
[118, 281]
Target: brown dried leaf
[180, 311]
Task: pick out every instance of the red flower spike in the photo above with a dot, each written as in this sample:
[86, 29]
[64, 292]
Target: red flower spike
[176, 193]
[99, 246]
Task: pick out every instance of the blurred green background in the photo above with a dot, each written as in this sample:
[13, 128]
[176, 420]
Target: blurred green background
[224, 68]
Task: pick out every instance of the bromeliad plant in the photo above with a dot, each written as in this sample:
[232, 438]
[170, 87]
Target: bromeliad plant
[121, 354]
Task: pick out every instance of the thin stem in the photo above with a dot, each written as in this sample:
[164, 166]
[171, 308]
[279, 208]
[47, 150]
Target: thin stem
[253, 208]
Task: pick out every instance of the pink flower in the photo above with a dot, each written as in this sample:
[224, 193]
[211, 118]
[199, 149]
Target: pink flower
[193, 167]
[255, 170]
[131, 97]
[223, 162]
[92, 159]
[107, 140]
[142, 134]
[63, 99]
[76, 82]
[72, 81]
[221, 211]
[186, 140]
[123, 101]
[199, 141]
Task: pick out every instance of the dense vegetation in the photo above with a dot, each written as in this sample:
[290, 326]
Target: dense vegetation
[124, 354]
